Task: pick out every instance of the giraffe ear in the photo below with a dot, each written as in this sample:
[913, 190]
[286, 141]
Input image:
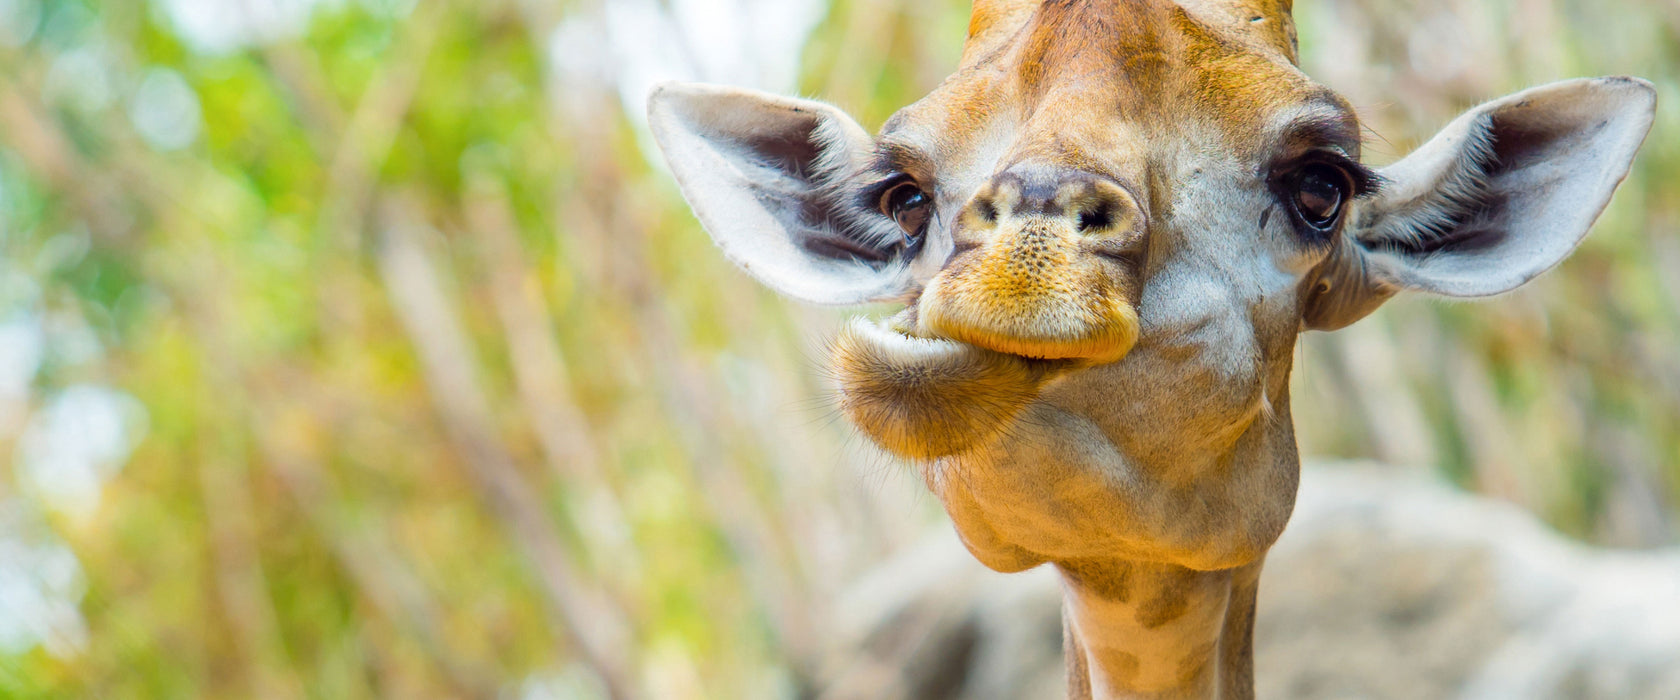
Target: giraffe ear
[772, 179]
[1501, 195]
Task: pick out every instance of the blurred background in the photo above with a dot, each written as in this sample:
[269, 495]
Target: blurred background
[357, 348]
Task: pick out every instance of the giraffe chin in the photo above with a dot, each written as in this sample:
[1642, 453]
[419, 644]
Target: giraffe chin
[926, 398]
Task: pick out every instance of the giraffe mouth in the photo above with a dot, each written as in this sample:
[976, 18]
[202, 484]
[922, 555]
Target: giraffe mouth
[907, 325]
[927, 397]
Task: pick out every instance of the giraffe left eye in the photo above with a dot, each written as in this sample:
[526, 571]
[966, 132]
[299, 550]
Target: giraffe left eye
[1320, 190]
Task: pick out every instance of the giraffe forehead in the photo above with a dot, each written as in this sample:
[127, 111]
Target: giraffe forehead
[1268, 22]
[1084, 81]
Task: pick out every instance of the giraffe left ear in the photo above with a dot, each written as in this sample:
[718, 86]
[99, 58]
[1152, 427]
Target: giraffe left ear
[1501, 195]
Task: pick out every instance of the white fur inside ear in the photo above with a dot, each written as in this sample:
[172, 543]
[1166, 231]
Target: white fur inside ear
[768, 177]
[1508, 190]
[838, 161]
[1436, 196]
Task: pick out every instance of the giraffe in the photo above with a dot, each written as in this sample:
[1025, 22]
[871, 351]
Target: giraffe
[1108, 229]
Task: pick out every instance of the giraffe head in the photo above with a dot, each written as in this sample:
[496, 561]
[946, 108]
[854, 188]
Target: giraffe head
[1108, 228]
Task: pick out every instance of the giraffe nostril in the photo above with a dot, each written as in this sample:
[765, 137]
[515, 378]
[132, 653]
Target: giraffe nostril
[987, 211]
[1099, 216]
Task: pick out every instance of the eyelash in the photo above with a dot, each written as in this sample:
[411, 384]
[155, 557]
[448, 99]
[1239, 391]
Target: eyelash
[1365, 181]
[871, 193]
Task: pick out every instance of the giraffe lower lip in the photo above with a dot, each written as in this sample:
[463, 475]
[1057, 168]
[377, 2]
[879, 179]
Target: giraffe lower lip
[1048, 364]
[925, 398]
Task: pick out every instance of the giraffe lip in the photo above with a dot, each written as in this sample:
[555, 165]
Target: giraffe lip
[896, 325]
[1047, 355]
[1020, 333]
[1127, 252]
[1129, 258]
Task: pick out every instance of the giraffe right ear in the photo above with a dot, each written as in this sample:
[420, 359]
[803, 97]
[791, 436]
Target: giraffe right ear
[771, 178]
[1501, 195]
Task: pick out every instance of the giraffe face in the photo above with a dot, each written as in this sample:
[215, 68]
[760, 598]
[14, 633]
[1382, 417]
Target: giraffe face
[1092, 185]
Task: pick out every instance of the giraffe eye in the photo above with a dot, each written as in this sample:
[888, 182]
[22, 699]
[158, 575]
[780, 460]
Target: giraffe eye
[1319, 191]
[909, 207]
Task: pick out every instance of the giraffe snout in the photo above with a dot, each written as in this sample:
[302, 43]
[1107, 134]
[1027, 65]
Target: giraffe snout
[1046, 266]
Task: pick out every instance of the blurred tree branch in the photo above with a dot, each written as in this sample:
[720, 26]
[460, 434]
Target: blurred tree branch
[599, 630]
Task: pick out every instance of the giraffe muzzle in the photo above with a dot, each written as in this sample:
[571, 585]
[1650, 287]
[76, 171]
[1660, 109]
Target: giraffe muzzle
[1052, 276]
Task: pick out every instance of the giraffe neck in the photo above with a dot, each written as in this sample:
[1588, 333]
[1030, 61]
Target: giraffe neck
[1146, 630]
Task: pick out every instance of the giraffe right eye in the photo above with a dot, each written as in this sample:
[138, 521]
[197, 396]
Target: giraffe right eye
[909, 207]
